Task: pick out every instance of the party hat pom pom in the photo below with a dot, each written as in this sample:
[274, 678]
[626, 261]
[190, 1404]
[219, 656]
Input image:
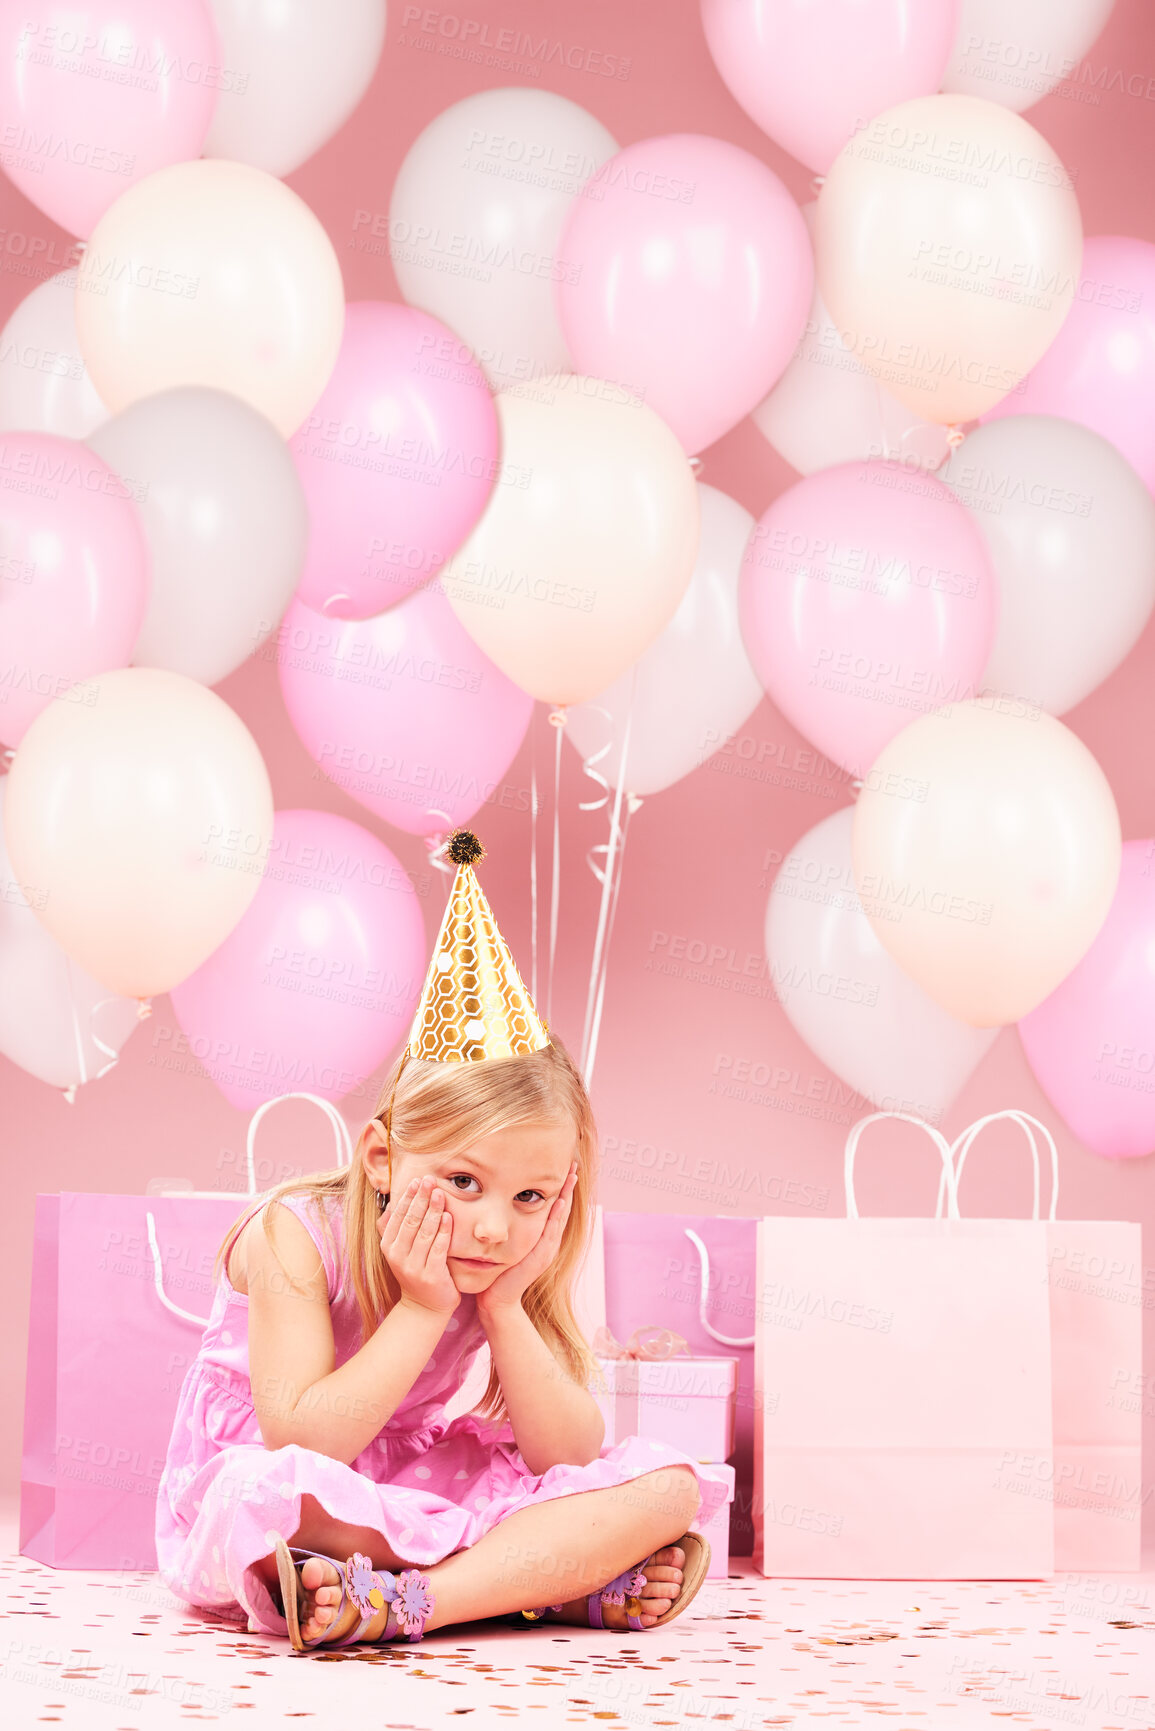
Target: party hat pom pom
[464, 848]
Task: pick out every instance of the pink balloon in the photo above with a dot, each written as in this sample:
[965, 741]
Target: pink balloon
[809, 74]
[403, 710]
[1091, 1044]
[1100, 369]
[322, 975]
[867, 598]
[397, 460]
[74, 573]
[100, 93]
[688, 280]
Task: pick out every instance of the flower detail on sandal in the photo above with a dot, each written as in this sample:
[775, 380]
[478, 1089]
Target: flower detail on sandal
[626, 1585]
[369, 1590]
[413, 1602]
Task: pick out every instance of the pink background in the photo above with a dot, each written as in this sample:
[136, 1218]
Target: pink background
[696, 867]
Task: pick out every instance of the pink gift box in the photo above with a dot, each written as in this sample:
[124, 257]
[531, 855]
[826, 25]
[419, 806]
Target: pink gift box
[686, 1402]
[716, 1529]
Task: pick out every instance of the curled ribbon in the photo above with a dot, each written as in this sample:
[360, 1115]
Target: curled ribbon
[665, 1346]
[436, 844]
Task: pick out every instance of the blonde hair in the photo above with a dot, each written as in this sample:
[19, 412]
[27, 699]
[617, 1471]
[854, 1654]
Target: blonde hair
[428, 1108]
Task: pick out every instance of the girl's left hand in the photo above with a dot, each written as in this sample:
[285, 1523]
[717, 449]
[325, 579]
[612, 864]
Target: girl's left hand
[508, 1289]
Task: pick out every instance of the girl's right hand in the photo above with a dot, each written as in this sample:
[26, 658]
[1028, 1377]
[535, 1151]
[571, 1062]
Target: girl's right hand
[415, 1235]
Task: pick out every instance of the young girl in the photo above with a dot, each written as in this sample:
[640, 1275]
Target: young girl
[312, 1481]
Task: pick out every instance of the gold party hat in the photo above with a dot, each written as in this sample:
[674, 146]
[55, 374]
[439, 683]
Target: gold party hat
[474, 1004]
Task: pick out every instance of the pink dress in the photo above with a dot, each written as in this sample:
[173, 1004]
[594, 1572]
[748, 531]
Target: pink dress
[430, 1485]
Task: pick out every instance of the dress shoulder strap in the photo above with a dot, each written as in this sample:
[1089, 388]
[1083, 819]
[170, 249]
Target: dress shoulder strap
[306, 1208]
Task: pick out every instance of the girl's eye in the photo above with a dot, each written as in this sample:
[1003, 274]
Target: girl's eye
[460, 1179]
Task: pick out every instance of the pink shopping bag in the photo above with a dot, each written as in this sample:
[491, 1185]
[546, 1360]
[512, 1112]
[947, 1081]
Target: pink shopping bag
[121, 1292]
[694, 1274]
[902, 1367]
[1095, 1288]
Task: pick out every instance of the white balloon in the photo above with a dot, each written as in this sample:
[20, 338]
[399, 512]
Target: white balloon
[853, 1005]
[476, 218]
[1071, 531]
[828, 408]
[292, 73]
[580, 560]
[224, 516]
[44, 383]
[694, 686]
[56, 1021]
[1014, 51]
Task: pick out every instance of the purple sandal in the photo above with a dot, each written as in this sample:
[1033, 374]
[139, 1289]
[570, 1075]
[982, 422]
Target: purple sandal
[407, 1600]
[626, 1590]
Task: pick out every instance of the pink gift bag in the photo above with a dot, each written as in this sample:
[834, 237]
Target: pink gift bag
[1095, 1287]
[121, 1292]
[902, 1370]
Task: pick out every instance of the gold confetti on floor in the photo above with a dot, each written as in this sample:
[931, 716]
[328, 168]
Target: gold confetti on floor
[117, 1652]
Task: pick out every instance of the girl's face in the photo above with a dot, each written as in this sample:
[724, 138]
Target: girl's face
[498, 1195]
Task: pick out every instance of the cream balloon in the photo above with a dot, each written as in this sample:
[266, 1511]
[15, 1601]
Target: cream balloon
[986, 853]
[211, 273]
[224, 516]
[138, 824]
[1071, 532]
[694, 686]
[476, 216]
[1014, 51]
[56, 1021]
[44, 384]
[293, 72]
[829, 408]
[850, 1001]
[948, 243]
[585, 549]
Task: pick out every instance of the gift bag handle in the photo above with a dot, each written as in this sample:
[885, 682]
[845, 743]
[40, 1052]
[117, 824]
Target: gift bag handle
[1024, 1120]
[340, 1131]
[704, 1277]
[948, 1172]
[344, 1158]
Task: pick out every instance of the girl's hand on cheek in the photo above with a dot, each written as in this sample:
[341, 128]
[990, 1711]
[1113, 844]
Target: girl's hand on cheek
[415, 1238]
[508, 1289]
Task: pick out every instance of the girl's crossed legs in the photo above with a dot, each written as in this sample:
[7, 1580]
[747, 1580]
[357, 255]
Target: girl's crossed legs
[550, 1553]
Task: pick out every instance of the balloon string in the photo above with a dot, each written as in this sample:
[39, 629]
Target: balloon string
[588, 767]
[109, 1052]
[436, 843]
[557, 719]
[607, 880]
[70, 1091]
[112, 1056]
[632, 804]
[533, 853]
[953, 433]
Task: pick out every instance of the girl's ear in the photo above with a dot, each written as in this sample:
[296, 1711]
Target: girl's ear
[372, 1152]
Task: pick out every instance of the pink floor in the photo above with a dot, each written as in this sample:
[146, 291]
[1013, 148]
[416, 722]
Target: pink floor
[1078, 1651]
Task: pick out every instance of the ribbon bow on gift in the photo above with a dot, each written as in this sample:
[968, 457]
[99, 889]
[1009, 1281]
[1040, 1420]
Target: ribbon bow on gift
[665, 1346]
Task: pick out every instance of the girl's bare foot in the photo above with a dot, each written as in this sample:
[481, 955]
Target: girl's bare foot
[322, 1595]
[663, 1572]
